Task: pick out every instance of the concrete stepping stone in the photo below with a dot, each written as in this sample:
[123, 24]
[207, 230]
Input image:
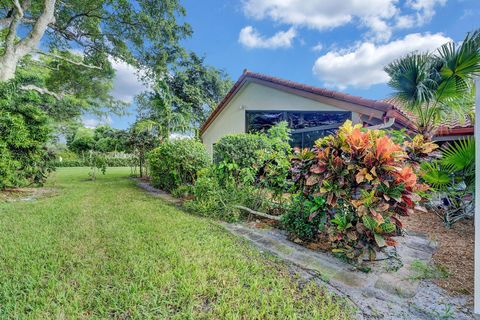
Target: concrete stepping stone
[379, 294]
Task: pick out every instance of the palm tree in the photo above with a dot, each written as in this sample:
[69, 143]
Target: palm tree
[437, 86]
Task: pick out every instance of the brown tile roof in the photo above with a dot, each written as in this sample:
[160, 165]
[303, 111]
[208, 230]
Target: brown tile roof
[381, 106]
[388, 107]
[453, 126]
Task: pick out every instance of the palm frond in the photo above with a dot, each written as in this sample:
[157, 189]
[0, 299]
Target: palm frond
[460, 64]
[459, 155]
[435, 175]
[413, 78]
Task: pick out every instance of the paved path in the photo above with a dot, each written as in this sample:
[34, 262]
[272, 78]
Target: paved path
[379, 294]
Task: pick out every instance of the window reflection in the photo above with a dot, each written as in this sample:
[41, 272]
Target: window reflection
[321, 123]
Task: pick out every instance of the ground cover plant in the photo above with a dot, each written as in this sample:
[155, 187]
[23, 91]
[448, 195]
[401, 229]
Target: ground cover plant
[354, 186]
[106, 249]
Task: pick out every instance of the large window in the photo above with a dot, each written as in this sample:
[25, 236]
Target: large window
[307, 126]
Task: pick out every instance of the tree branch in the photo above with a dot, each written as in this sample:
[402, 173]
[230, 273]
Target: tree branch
[41, 91]
[257, 213]
[33, 38]
[77, 63]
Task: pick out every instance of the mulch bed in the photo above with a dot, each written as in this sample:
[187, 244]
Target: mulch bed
[455, 249]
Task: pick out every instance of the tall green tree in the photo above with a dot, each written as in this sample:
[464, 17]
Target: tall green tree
[437, 86]
[68, 91]
[181, 101]
[143, 33]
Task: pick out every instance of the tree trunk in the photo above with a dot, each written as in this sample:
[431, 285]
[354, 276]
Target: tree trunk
[15, 51]
[8, 65]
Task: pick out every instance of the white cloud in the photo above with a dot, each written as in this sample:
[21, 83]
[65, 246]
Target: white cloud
[318, 47]
[250, 38]
[380, 17]
[425, 9]
[126, 84]
[362, 65]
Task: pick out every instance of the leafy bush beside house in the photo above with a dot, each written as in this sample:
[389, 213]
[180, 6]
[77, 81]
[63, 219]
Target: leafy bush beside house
[452, 178]
[263, 157]
[366, 182]
[248, 169]
[176, 162]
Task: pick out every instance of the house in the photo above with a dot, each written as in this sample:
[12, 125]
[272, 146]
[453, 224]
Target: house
[257, 101]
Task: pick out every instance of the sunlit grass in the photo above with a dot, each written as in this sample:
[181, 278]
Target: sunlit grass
[105, 249]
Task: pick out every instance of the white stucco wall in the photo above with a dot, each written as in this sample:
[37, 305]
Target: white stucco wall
[254, 96]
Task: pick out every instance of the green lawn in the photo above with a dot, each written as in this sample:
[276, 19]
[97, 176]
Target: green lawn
[106, 249]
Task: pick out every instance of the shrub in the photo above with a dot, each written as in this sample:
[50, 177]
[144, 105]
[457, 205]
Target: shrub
[176, 162]
[248, 170]
[216, 196]
[366, 182]
[305, 217]
[262, 158]
[453, 178]
[110, 162]
[184, 191]
[24, 133]
[241, 149]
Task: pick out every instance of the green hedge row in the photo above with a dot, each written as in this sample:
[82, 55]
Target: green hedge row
[175, 163]
[111, 162]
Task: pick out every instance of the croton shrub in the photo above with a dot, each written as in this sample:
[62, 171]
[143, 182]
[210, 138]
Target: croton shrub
[366, 181]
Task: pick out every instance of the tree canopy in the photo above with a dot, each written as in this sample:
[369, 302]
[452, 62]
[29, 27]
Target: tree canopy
[181, 101]
[143, 33]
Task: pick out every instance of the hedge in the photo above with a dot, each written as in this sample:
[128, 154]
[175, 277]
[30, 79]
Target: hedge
[175, 163]
[111, 162]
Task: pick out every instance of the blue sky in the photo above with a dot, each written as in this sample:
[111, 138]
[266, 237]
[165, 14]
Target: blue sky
[342, 45]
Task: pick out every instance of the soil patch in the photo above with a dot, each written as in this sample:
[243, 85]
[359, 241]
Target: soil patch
[455, 249]
[25, 194]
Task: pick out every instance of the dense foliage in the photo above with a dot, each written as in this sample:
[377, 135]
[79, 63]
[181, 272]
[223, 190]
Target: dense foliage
[24, 131]
[366, 183]
[452, 177]
[240, 149]
[109, 162]
[266, 156]
[182, 101]
[176, 162]
[249, 169]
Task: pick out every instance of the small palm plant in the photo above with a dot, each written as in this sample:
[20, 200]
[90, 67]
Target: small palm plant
[453, 176]
[437, 86]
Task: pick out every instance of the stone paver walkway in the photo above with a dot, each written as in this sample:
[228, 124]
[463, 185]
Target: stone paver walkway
[379, 294]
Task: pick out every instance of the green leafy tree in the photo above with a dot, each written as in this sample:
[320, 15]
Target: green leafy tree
[142, 138]
[182, 101]
[437, 86]
[83, 142]
[24, 132]
[143, 33]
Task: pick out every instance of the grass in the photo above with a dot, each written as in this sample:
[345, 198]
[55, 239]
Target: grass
[428, 271]
[105, 249]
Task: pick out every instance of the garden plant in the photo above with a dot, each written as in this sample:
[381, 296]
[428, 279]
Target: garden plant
[353, 187]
